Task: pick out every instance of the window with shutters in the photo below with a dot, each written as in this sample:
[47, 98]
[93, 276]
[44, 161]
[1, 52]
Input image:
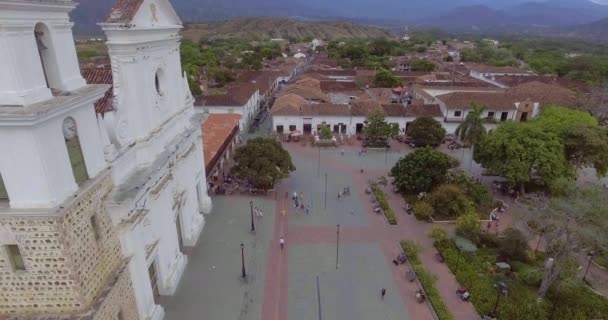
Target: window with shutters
[15, 257]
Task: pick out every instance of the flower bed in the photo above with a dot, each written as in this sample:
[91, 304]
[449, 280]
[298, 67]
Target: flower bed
[427, 280]
[383, 201]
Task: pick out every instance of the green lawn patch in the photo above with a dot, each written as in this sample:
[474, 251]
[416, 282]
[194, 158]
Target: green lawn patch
[383, 201]
[427, 280]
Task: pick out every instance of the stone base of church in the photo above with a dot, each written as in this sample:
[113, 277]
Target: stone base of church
[177, 270]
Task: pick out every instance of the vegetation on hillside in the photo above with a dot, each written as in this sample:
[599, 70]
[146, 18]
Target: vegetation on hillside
[261, 29]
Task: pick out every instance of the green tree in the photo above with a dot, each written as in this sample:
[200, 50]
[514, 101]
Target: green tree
[468, 226]
[472, 130]
[325, 132]
[585, 142]
[426, 131]
[522, 152]
[514, 244]
[221, 76]
[422, 210]
[377, 131]
[421, 170]
[588, 146]
[386, 79]
[579, 222]
[423, 65]
[263, 162]
[449, 201]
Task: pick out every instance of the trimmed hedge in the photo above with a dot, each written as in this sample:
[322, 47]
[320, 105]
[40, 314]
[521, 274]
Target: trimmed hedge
[383, 201]
[427, 280]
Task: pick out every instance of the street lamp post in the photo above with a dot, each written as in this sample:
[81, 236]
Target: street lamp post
[319, 163]
[252, 222]
[457, 262]
[542, 231]
[325, 190]
[243, 274]
[501, 288]
[590, 256]
[386, 155]
[337, 243]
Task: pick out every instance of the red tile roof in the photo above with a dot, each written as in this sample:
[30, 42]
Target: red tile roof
[123, 11]
[218, 131]
[100, 75]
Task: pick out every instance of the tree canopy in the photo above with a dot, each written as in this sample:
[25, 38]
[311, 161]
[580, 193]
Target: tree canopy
[386, 79]
[421, 170]
[377, 130]
[263, 162]
[423, 65]
[471, 130]
[426, 131]
[522, 153]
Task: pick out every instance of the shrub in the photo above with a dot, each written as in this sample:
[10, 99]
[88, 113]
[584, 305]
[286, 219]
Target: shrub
[383, 202]
[467, 226]
[427, 280]
[477, 192]
[449, 201]
[514, 244]
[488, 240]
[530, 276]
[422, 210]
[440, 237]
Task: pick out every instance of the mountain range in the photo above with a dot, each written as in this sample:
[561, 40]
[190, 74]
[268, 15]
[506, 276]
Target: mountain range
[453, 15]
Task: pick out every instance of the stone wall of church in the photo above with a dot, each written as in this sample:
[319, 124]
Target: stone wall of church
[67, 263]
[94, 254]
[120, 299]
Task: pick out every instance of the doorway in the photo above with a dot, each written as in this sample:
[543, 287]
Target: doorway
[154, 282]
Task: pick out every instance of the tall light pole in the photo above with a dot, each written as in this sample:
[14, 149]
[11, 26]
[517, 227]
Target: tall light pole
[243, 274]
[590, 256]
[501, 288]
[252, 222]
[542, 231]
[319, 163]
[325, 190]
[337, 243]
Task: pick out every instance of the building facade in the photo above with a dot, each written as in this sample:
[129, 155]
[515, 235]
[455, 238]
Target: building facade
[60, 254]
[96, 208]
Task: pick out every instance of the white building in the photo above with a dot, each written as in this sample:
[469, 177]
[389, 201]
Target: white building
[153, 142]
[116, 195]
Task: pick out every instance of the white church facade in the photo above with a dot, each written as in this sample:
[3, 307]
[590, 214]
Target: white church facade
[96, 208]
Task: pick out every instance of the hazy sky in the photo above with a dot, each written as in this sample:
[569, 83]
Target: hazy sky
[604, 2]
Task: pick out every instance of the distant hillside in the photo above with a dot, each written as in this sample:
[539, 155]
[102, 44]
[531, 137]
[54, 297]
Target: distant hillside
[595, 31]
[267, 28]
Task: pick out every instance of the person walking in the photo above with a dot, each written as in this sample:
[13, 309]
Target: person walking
[282, 243]
[339, 194]
[382, 292]
[307, 209]
[348, 190]
[343, 152]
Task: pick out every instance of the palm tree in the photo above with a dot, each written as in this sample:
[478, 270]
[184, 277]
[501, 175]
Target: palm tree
[471, 130]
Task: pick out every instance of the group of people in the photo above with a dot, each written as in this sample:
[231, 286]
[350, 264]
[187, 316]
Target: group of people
[258, 213]
[363, 151]
[298, 202]
[344, 192]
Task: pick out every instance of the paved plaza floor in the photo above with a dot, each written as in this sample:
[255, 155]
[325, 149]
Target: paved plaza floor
[301, 282]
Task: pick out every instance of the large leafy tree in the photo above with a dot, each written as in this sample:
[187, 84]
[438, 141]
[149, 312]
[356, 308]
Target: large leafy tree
[377, 130]
[421, 170]
[426, 131]
[585, 142]
[522, 152]
[587, 145]
[263, 162]
[386, 79]
[449, 201]
[574, 223]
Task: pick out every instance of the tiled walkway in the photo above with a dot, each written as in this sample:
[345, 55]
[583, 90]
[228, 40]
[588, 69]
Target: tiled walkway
[302, 281]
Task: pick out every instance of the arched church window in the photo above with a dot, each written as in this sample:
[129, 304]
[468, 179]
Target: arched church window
[47, 55]
[3, 193]
[72, 142]
[159, 81]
